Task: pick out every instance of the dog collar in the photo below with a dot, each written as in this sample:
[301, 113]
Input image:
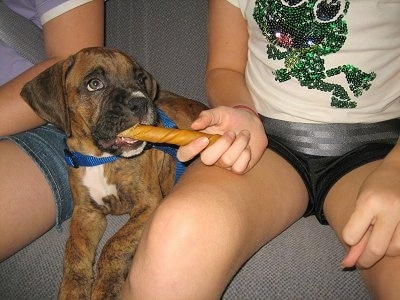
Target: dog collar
[76, 159]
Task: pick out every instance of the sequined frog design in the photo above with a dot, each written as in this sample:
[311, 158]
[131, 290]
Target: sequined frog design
[302, 32]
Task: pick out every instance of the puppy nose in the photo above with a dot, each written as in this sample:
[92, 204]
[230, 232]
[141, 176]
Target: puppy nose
[138, 105]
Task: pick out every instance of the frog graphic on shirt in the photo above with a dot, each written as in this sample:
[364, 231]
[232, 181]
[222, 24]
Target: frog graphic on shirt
[302, 32]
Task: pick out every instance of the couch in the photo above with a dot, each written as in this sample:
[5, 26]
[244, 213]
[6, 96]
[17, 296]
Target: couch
[169, 39]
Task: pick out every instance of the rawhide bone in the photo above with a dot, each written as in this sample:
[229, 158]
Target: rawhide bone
[153, 134]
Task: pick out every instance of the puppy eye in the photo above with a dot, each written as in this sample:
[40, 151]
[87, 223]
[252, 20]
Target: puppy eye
[94, 84]
[140, 78]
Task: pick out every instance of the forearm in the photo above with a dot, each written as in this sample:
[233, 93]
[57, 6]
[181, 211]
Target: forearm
[227, 56]
[227, 87]
[15, 114]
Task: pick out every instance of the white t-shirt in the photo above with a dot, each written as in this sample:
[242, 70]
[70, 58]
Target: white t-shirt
[323, 60]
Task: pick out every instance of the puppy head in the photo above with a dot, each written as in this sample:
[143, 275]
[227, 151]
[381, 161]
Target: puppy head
[95, 94]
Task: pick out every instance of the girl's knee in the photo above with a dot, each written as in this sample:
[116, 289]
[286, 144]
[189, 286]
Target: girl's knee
[183, 225]
[180, 239]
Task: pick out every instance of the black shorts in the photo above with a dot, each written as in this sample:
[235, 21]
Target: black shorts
[323, 153]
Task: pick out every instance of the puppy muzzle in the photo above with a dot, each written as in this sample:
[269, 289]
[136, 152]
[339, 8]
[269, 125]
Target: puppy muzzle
[123, 111]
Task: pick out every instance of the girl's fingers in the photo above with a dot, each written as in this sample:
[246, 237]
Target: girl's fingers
[212, 154]
[186, 153]
[238, 150]
[351, 258]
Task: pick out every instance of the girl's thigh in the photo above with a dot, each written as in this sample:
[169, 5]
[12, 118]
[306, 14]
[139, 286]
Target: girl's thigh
[27, 205]
[258, 205]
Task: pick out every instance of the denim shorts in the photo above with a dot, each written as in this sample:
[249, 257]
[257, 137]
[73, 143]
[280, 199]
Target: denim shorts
[323, 153]
[45, 145]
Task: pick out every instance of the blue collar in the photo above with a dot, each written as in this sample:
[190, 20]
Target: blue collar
[76, 159]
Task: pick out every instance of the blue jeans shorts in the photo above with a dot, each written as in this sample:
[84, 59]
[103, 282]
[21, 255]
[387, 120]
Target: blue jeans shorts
[45, 145]
[323, 153]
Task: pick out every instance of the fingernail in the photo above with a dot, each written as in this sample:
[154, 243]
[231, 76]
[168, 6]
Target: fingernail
[348, 269]
[202, 141]
[246, 133]
[231, 134]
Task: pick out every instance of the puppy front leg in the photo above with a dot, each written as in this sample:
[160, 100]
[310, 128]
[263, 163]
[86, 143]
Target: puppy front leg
[115, 259]
[86, 229]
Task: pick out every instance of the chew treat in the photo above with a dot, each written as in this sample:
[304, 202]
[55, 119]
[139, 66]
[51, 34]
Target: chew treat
[153, 134]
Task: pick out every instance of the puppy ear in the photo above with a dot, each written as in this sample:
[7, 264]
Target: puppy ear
[151, 85]
[47, 96]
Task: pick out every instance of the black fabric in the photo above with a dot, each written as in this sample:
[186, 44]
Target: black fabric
[320, 173]
[346, 147]
[331, 139]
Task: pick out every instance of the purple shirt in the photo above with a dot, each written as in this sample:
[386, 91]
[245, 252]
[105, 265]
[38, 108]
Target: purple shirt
[39, 12]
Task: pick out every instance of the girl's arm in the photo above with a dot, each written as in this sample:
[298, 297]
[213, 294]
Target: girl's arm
[244, 139]
[64, 35]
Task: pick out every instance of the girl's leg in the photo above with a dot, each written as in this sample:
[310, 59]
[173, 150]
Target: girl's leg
[383, 279]
[210, 224]
[27, 208]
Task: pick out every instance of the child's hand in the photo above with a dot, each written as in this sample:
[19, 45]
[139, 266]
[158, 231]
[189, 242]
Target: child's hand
[373, 229]
[241, 145]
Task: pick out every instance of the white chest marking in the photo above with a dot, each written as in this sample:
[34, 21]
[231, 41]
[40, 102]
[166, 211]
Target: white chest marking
[96, 182]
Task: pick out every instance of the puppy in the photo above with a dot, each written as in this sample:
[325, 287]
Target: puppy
[92, 96]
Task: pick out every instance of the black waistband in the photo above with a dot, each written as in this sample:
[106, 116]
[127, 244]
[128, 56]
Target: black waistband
[331, 139]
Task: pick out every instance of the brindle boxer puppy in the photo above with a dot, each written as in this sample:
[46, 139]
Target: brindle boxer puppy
[92, 96]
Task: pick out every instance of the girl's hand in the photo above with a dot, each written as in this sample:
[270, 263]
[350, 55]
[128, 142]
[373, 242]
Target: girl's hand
[373, 229]
[241, 145]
